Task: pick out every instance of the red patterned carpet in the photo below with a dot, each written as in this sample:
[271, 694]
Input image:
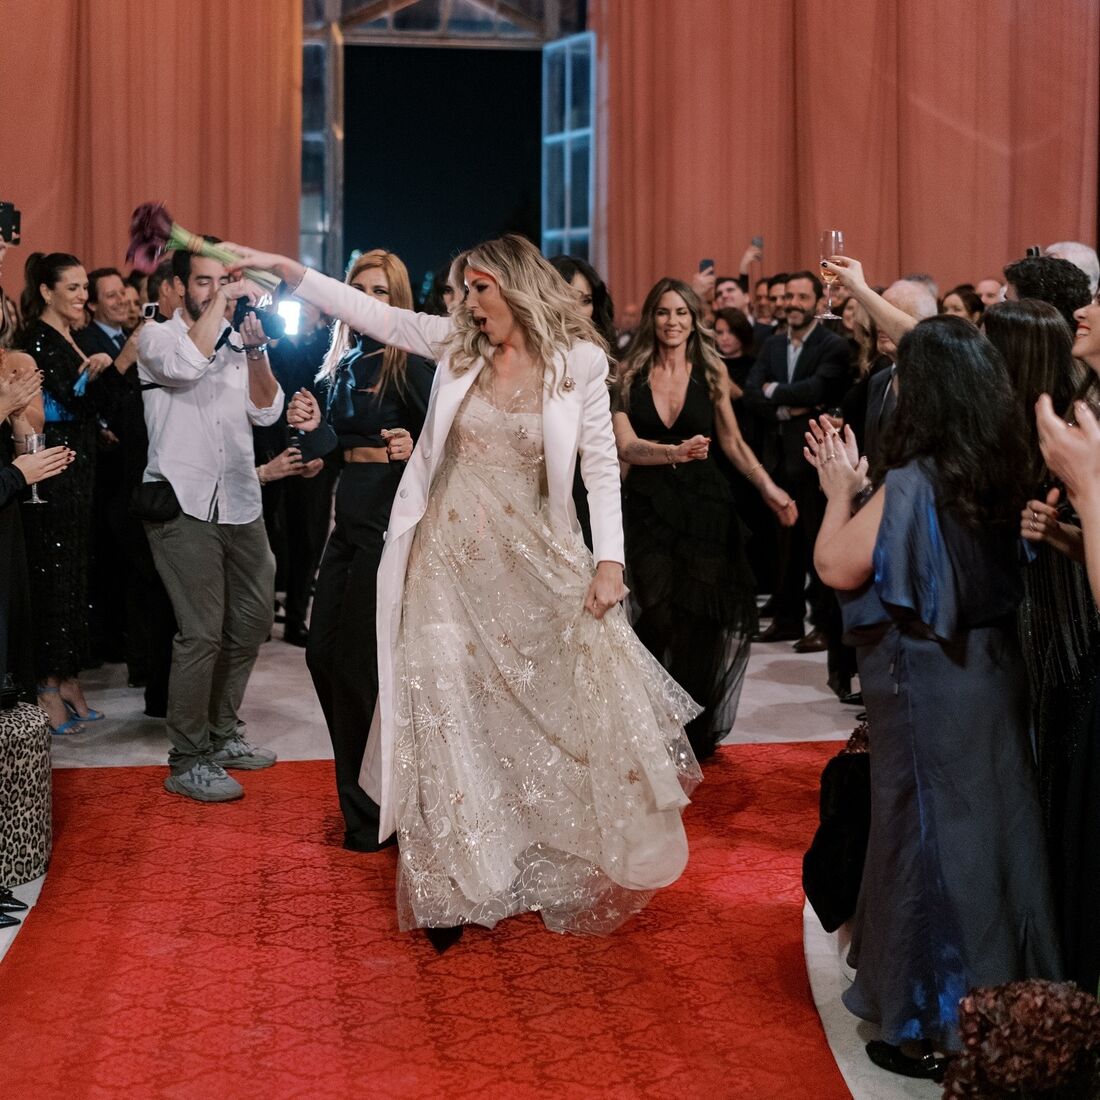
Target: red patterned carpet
[233, 951]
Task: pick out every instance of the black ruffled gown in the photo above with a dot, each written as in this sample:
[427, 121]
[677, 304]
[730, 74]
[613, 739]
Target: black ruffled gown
[692, 591]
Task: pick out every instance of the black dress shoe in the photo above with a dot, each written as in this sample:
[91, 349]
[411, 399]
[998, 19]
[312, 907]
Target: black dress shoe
[296, 636]
[443, 938]
[814, 642]
[852, 699]
[777, 632]
[887, 1056]
[358, 844]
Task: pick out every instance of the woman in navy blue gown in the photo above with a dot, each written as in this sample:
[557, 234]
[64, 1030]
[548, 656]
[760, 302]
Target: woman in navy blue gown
[955, 891]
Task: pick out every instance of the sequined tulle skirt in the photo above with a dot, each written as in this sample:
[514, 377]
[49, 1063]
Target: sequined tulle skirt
[540, 756]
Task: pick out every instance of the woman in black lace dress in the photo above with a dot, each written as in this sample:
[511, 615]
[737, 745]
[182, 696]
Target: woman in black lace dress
[58, 532]
[692, 590]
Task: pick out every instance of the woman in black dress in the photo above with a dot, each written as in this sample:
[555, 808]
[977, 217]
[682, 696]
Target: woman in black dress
[20, 415]
[693, 593]
[955, 891]
[58, 533]
[377, 398]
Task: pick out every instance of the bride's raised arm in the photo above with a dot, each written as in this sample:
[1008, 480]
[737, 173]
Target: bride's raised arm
[418, 333]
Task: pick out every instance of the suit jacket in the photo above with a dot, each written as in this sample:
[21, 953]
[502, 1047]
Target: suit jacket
[118, 399]
[882, 401]
[820, 379]
[575, 418]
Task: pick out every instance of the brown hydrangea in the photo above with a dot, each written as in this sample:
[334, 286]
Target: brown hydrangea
[1027, 1039]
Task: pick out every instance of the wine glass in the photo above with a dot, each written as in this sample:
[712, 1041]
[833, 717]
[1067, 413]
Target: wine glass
[34, 443]
[832, 244]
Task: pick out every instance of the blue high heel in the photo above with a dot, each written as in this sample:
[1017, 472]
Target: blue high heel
[91, 716]
[72, 725]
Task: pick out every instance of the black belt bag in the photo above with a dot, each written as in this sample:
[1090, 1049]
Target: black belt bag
[154, 502]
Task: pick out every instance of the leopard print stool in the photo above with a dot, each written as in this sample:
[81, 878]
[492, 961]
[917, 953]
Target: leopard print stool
[25, 802]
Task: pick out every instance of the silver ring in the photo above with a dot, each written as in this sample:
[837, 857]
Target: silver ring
[1035, 516]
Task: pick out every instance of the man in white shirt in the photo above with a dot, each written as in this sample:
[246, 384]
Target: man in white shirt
[204, 387]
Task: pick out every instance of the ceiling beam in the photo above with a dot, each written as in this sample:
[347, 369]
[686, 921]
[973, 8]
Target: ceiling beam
[511, 13]
[374, 10]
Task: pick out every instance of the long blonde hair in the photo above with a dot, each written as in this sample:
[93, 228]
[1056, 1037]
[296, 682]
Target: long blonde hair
[394, 360]
[543, 304]
[642, 352]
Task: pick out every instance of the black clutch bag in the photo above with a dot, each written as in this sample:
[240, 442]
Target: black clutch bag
[154, 502]
[832, 869]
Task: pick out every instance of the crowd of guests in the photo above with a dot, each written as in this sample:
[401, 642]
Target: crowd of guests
[876, 479]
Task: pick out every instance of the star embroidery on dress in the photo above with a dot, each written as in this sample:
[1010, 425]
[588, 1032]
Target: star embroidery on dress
[471, 648]
[432, 721]
[452, 515]
[487, 689]
[509, 510]
[632, 776]
[521, 677]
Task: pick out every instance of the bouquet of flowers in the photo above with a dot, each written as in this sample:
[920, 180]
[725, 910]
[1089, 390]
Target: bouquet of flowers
[153, 232]
[1027, 1039]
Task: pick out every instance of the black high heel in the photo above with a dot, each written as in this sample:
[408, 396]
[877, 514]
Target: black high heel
[889, 1057]
[443, 938]
[8, 922]
[9, 903]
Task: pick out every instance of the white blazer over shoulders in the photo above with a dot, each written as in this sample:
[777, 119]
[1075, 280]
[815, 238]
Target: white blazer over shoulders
[575, 420]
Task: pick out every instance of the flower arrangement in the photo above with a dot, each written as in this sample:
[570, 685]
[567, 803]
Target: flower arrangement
[1027, 1039]
[153, 232]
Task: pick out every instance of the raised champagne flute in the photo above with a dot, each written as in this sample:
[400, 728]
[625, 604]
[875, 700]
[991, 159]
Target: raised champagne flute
[832, 244]
[33, 443]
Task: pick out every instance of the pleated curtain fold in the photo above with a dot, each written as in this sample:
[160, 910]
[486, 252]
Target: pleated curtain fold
[196, 103]
[942, 137]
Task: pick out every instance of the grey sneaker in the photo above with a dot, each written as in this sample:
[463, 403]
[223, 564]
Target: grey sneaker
[205, 782]
[239, 753]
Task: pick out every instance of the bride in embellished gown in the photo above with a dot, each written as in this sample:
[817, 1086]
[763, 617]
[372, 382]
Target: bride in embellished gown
[528, 750]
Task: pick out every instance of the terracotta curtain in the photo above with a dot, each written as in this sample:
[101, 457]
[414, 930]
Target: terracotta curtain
[940, 136]
[196, 103]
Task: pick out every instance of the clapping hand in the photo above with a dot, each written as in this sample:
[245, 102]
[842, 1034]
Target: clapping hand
[840, 470]
[18, 389]
[1072, 453]
[303, 412]
[691, 450]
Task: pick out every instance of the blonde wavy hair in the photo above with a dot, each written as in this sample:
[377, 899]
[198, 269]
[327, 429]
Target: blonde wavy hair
[642, 352]
[543, 304]
[394, 360]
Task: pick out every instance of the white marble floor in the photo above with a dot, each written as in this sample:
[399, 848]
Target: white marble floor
[784, 700]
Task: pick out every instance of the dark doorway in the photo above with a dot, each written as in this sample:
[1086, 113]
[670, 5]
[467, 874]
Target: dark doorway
[442, 150]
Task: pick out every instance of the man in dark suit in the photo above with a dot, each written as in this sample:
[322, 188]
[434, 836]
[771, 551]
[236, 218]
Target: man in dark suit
[129, 604]
[799, 372]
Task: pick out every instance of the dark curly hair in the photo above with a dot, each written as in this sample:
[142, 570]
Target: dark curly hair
[603, 309]
[1059, 282]
[957, 410]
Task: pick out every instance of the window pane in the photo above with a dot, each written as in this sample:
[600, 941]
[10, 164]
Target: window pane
[553, 91]
[313, 87]
[553, 216]
[578, 246]
[580, 92]
[578, 184]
